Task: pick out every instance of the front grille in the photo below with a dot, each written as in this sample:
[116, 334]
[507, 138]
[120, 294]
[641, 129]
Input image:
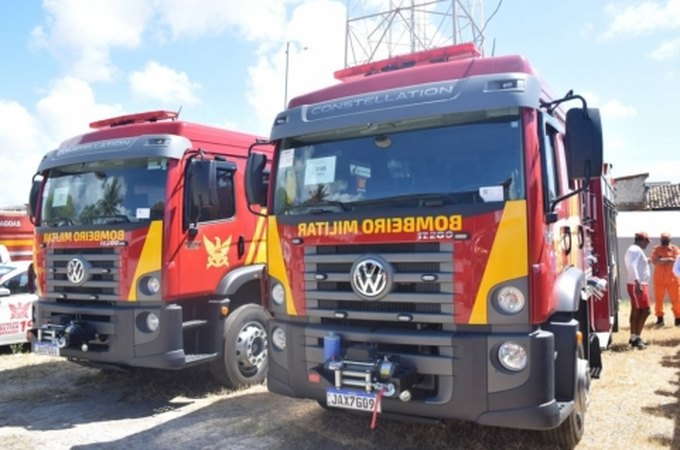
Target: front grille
[412, 299]
[102, 285]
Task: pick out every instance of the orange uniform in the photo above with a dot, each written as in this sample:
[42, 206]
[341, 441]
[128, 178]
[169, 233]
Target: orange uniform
[665, 279]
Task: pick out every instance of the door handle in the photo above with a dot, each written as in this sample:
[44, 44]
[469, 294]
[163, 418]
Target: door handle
[241, 246]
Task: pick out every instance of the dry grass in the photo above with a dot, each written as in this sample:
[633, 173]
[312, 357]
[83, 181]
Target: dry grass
[635, 404]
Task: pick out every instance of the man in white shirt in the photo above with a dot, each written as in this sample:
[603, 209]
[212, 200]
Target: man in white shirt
[638, 276]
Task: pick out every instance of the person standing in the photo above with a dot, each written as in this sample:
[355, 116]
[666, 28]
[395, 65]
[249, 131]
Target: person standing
[638, 276]
[663, 257]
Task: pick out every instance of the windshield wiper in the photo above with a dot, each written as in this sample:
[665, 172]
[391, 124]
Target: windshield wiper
[322, 207]
[115, 218]
[429, 199]
[60, 222]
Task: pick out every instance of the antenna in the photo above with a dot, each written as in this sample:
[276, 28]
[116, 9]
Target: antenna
[410, 26]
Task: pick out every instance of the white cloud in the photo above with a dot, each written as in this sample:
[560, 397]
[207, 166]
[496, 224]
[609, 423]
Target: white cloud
[667, 50]
[64, 112]
[20, 146]
[316, 50]
[82, 33]
[641, 17]
[259, 20]
[69, 107]
[164, 84]
[614, 109]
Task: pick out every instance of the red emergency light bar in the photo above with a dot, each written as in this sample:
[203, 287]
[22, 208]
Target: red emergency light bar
[150, 116]
[449, 53]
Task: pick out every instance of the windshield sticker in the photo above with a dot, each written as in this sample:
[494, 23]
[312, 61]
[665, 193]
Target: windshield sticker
[154, 164]
[143, 213]
[360, 171]
[320, 170]
[60, 197]
[491, 193]
[286, 158]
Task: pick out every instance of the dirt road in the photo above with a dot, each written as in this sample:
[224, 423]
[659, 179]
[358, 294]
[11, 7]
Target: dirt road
[50, 403]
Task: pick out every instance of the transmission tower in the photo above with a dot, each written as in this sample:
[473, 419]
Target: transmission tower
[410, 26]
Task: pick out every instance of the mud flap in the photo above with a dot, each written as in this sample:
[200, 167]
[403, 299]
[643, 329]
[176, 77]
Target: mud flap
[595, 356]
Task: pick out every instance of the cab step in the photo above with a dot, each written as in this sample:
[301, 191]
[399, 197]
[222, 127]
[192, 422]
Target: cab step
[192, 359]
[189, 324]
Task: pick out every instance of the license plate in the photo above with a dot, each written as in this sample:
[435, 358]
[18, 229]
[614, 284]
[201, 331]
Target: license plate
[45, 348]
[357, 400]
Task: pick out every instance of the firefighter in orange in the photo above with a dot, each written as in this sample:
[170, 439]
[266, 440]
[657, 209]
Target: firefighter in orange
[663, 257]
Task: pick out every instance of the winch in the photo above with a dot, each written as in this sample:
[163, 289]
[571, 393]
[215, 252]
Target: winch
[363, 368]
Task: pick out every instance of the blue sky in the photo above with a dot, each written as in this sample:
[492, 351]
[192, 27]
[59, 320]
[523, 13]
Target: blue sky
[66, 63]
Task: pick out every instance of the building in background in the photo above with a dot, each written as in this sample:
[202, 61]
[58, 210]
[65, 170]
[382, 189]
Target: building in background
[651, 207]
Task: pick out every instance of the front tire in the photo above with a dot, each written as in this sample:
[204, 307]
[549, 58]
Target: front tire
[243, 361]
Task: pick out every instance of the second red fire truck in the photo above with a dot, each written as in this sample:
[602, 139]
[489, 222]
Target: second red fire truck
[146, 252]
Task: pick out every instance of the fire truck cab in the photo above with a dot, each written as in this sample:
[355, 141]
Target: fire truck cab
[431, 244]
[146, 253]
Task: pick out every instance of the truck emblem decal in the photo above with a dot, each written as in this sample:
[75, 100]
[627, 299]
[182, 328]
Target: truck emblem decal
[218, 252]
[76, 271]
[19, 311]
[371, 277]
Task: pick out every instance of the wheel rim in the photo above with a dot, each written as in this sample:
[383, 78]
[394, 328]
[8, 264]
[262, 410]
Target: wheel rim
[251, 348]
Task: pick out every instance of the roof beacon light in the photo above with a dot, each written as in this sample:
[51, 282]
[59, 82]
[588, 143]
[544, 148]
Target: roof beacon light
[150, 116]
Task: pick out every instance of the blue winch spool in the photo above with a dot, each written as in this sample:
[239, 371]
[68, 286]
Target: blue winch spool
[331, 346]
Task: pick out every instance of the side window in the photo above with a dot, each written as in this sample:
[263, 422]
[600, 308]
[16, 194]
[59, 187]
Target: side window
[225, 206]
[225, 193]
[17, 284]
[549, 164]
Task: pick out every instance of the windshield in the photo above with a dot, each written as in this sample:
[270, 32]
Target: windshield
[105, 192]
[477, 162]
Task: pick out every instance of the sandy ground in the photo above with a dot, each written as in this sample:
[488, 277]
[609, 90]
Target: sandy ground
[50, 403]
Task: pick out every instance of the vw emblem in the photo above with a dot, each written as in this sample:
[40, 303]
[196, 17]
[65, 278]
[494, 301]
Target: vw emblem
[76, 271]
[371, 277]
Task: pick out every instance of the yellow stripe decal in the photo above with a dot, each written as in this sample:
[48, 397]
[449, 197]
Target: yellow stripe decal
[16, 242]
[150, 258]
[256, 242]
[276, 264]
[508, 258]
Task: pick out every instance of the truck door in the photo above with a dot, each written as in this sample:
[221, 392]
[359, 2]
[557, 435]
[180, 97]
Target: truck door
[213, 238]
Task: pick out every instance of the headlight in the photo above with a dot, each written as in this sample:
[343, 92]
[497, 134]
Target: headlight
[512, 356]
[153, 285]
[279, 338]
[510, 300]
[278, 294]
[152, 322]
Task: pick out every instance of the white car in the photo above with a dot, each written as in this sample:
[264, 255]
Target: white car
[16, 302]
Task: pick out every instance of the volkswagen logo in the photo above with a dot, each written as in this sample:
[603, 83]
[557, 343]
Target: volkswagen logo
[371, 277]
[76, 271]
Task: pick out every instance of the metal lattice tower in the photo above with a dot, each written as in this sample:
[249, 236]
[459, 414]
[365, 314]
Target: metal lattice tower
[410, 26]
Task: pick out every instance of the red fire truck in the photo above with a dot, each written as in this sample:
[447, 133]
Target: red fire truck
[432, 235]
[146, 252]
[16, 233]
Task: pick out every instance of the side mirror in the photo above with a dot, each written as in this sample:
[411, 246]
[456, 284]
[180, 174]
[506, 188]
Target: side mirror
[33, 198]
[4, 292]
[583, 143]
[256, 186]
